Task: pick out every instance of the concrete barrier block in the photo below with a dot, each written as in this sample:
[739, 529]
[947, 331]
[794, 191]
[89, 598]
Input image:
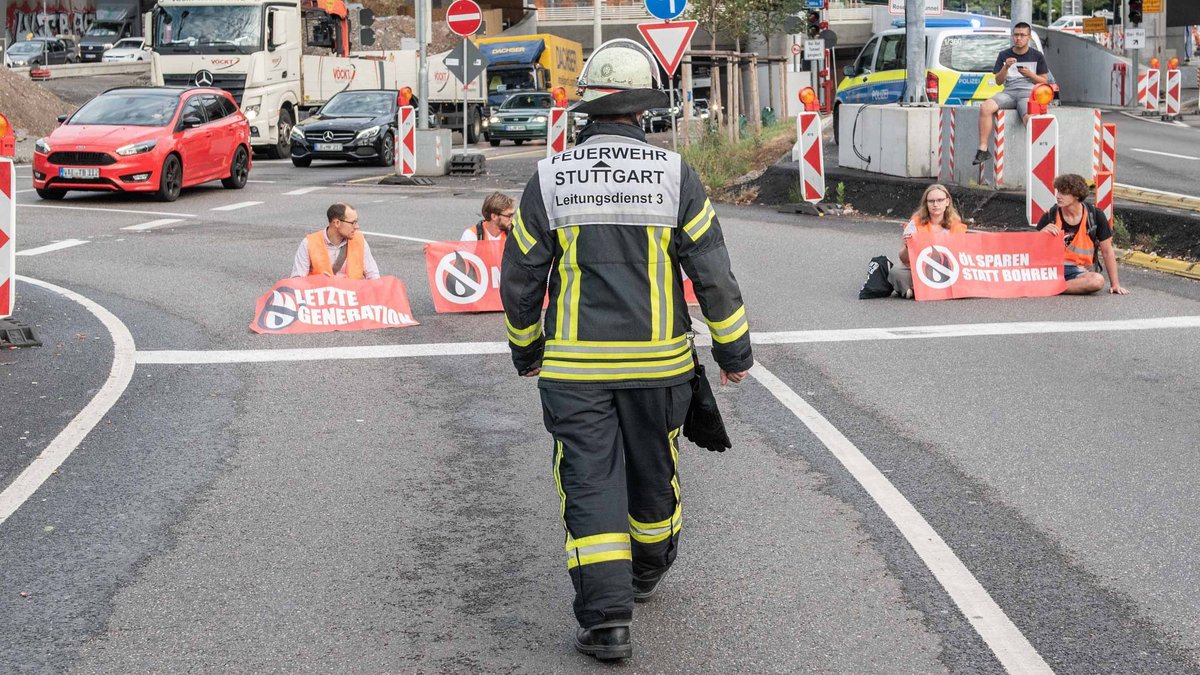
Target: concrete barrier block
[898, 140]
[429, 161]
[1075, 132]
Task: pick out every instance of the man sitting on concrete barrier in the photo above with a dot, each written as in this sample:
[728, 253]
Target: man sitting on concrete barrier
[498, 210]
[1084, 229]
[338, 250]
[1019, 68]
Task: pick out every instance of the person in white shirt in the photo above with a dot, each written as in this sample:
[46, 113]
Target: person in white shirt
[338, 250]
[497, 212]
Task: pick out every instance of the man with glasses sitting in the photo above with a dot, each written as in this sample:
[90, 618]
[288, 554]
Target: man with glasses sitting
[1019, 68]
[497, 212]
[338, 250]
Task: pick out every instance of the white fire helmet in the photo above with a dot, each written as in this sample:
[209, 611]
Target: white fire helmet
[620, 77]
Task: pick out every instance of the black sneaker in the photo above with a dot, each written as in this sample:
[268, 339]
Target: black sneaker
[644, 589]
[981, 156]
[605, 644]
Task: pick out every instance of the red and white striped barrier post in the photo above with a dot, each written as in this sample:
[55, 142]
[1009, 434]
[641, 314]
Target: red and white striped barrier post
[1174, 89]
[812, 155]
[1104, 194]
[1154, 88]
[406, 127]
[941, 154]
[8, 235]
[556, 130]
[1108, 149]
[1042, 135]
[953, 122]
[1097, 142]
[1001, 124]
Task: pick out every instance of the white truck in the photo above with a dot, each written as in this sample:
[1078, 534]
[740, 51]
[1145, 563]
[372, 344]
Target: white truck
[255, 50]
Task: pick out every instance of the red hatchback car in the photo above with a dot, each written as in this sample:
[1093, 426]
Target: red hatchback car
[146, 139]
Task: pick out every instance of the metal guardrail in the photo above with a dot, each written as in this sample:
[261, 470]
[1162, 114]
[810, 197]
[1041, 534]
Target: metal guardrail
[86, 69]
[584, 13]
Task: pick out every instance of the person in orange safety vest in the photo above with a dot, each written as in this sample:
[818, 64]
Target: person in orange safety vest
[337, 250]
[1086, 235]
[935, 214]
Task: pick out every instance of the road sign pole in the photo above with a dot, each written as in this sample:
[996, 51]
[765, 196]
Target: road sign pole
[674, 138]
[465, 116]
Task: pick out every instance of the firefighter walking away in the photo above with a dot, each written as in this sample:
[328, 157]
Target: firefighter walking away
[608, 225]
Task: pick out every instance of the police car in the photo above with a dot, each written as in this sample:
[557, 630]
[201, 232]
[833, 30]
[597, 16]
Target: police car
[959, 57]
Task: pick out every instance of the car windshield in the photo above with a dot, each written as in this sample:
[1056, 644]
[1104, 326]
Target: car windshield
[972, 53]
[129, 44]
[25, 48]
[102, 30]
[128, 109]
[527, 101]
[364, 104]
[208, 29]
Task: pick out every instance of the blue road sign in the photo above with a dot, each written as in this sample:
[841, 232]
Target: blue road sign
[667, 9]
[814, 4]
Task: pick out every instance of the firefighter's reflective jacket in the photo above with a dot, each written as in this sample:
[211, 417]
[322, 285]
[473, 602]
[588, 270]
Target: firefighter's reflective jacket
[608, 224]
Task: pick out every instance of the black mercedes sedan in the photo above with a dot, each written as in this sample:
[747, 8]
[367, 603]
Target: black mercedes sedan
[358, 126]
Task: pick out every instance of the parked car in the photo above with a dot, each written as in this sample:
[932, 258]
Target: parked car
[145, 139]
[659, 119]
[522, 117]
[700, 108]
[129, 49]
[357, 125]
[39, 51]
[958, 65]
[72, 44]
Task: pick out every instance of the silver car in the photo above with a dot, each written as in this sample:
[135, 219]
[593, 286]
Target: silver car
[128, 49]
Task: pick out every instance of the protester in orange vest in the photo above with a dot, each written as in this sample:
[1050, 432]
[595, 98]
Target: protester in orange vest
[1083, 229]
[936, 214]
[338, 250]
[498, 210]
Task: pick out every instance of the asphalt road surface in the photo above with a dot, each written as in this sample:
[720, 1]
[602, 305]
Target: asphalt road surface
[975, 486]
[1157, 155]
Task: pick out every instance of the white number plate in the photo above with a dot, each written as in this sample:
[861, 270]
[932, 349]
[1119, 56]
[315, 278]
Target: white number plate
[515, 127]
[79, 173]
[327, 147]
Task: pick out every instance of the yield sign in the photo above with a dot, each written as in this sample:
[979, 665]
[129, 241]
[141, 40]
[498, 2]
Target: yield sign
[668, 40]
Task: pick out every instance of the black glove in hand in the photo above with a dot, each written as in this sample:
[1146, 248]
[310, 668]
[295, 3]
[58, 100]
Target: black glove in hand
[703, 424]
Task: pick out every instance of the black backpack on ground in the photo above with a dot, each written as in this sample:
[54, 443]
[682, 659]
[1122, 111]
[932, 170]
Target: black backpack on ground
[877, 284]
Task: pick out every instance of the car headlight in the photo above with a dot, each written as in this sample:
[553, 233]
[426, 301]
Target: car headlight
[136, 148]
[250, 111]
[108, 45]
[493, 120]
[369, 132]
[297, 133]
[40, 145]
[540, 118]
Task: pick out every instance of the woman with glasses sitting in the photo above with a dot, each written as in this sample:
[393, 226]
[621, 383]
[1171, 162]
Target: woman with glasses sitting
[936, 215]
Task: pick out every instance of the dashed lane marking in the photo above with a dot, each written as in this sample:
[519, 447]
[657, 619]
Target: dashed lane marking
[234, 207]
[152, 224]
[303, 191]
[778, 338]
[96, 208]
[260, 181]
[56, 246]
[52, 457]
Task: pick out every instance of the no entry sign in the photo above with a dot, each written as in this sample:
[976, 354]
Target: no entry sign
[464, 17]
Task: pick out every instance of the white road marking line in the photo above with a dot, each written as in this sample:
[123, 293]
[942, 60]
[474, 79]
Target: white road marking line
[152, 224]
[1156, 192]
[989, 620]
[1151, 120]
[95, 208]
[397, 236]
[25, 190]
[778, 338]
[48, 461]
[303, 191]
[56, 246]
[259, 181]
[1166, 154]
[234, 207]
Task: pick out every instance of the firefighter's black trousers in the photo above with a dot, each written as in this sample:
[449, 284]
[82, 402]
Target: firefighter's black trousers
[616, 455]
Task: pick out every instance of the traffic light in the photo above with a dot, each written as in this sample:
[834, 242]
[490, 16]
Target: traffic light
[813, 24]
[366, 36]
[1135, 11]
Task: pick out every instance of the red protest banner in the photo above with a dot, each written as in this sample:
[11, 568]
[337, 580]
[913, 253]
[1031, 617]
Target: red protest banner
[319, 304]
[986, 265]
[464, 276]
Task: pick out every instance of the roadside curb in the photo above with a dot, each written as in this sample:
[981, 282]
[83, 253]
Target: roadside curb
[1183, 268]
[1165, 199]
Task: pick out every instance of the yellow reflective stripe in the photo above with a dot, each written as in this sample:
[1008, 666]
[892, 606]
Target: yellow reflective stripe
[650, 533]
[523, 337]
[524, 239]
[696, 234]
[731, 328]
[652, 263]
[567, 321]
[732, 335]
[632, 344]
[592, 558]
[606, 538]
[705, 211]
[562, 495]
[585, 355]
[556, 371]
[673, 442]
[666, 283]
[726, 323]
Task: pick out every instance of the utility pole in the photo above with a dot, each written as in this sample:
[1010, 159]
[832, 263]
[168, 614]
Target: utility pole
[1022, 10]
[596, 9]
[914, 34]
[422, 11]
